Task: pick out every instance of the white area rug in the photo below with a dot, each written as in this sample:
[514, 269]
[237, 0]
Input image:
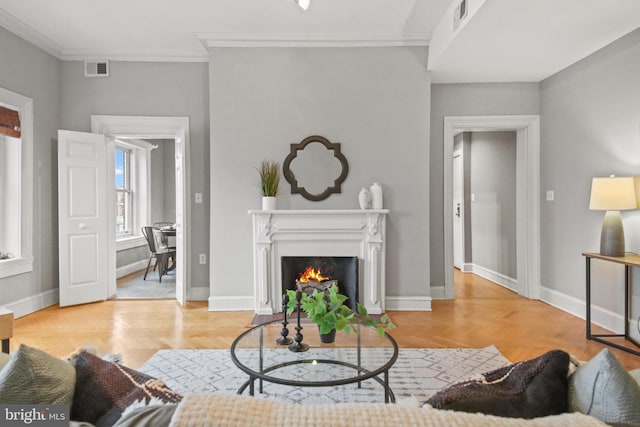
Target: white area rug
[417, 372]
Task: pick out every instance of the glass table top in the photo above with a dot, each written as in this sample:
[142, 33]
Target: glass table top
[351, 358]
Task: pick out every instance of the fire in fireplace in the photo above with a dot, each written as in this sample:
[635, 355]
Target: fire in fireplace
[321, 272]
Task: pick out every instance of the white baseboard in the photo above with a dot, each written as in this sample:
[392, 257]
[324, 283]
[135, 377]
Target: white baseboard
[563, 302]
[230, 303]
[599, 316]
[495, 277]
[131, 268]
[438, 292]
[247, 303]
[408, 303]
[33, 303]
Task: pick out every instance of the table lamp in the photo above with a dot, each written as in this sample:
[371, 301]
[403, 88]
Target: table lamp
[612, 195]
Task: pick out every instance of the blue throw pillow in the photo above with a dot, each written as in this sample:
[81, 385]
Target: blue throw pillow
[604, 389]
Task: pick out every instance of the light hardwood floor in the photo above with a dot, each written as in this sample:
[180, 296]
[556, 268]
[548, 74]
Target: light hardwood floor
[482, 314]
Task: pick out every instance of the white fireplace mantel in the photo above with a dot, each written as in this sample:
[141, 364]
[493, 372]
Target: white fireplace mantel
[279, 233]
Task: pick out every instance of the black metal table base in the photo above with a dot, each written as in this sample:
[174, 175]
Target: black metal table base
[601, 337]
[389, 396]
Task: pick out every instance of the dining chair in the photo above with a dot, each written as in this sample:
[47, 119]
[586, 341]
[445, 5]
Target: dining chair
[169, 233]
[158, 250]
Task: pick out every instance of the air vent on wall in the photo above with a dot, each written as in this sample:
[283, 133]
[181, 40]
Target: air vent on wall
[459, 13]
[96, 68]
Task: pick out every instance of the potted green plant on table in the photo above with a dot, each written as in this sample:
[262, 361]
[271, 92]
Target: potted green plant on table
[328, 310]
[269, 172]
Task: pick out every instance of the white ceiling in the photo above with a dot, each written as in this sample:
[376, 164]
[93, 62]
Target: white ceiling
[529, 40]
[505, 40]
[139, 29]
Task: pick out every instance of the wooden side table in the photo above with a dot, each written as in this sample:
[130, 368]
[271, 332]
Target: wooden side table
[628, 261]
[6, 328]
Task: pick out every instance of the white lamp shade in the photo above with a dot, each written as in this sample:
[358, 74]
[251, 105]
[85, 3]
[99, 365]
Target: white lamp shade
[613, 194]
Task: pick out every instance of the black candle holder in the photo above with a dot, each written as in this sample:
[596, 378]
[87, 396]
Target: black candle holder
[298, 346]
[284, 340]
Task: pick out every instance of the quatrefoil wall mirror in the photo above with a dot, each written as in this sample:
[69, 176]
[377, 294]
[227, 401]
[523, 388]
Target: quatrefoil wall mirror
[315, 168]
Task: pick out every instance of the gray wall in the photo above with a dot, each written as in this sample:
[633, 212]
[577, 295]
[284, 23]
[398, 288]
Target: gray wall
[589, 127]
[31, 72]
[151, 89]
[493, 212]
[163, 181]
[465, 100]
[375, 101]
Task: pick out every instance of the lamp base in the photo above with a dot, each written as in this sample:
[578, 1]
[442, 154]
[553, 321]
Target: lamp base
[612, 235]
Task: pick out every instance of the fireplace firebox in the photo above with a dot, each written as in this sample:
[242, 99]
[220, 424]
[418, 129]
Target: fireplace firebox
[342, 269]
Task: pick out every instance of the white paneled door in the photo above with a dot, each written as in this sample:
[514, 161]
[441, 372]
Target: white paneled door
[82, 218]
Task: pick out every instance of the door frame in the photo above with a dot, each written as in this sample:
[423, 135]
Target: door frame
[156, 127]
[527, 129]
[459, 244]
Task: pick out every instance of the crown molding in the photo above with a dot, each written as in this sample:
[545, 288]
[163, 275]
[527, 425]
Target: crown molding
[28, 33]
[16, 26]
[187, 55]
[312, 40]
[210, 40]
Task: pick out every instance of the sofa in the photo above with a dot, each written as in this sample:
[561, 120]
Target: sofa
[545, 391]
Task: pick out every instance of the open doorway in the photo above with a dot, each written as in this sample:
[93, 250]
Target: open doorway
[527, 130]
[145, 197]
[484, 203]
[176, 130]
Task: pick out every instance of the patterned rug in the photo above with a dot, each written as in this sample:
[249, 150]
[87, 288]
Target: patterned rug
[417, 372]
[134, 287]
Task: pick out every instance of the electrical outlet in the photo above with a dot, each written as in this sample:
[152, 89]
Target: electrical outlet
[198, 197]
[550, 196]
[203, 258]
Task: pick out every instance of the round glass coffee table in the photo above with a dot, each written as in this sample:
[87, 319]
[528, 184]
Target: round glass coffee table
[351, 359]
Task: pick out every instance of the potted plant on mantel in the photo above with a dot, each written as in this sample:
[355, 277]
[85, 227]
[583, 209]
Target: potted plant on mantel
[328, 311]
[269, 182]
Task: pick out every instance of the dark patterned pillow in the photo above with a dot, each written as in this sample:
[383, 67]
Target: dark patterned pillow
[529, 389]
[104, 389]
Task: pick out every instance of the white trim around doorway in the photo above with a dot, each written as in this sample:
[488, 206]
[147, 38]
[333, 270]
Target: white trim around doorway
[527, 128]
[158, 127]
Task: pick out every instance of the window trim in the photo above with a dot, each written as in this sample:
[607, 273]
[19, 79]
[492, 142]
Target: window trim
[139, 182]
[23, 262]
[127, 188]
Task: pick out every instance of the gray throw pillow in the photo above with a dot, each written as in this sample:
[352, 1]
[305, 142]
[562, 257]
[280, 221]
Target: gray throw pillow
[603, 389]
[33, 376]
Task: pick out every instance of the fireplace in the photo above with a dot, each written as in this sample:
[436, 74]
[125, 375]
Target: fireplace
[341, 269]
[356, 234]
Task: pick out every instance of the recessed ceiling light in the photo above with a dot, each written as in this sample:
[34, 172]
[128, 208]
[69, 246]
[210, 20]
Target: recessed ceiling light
[304, 4]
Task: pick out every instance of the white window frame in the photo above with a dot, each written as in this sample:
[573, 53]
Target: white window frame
[22, 262]
[140, 178]
[128, 191]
